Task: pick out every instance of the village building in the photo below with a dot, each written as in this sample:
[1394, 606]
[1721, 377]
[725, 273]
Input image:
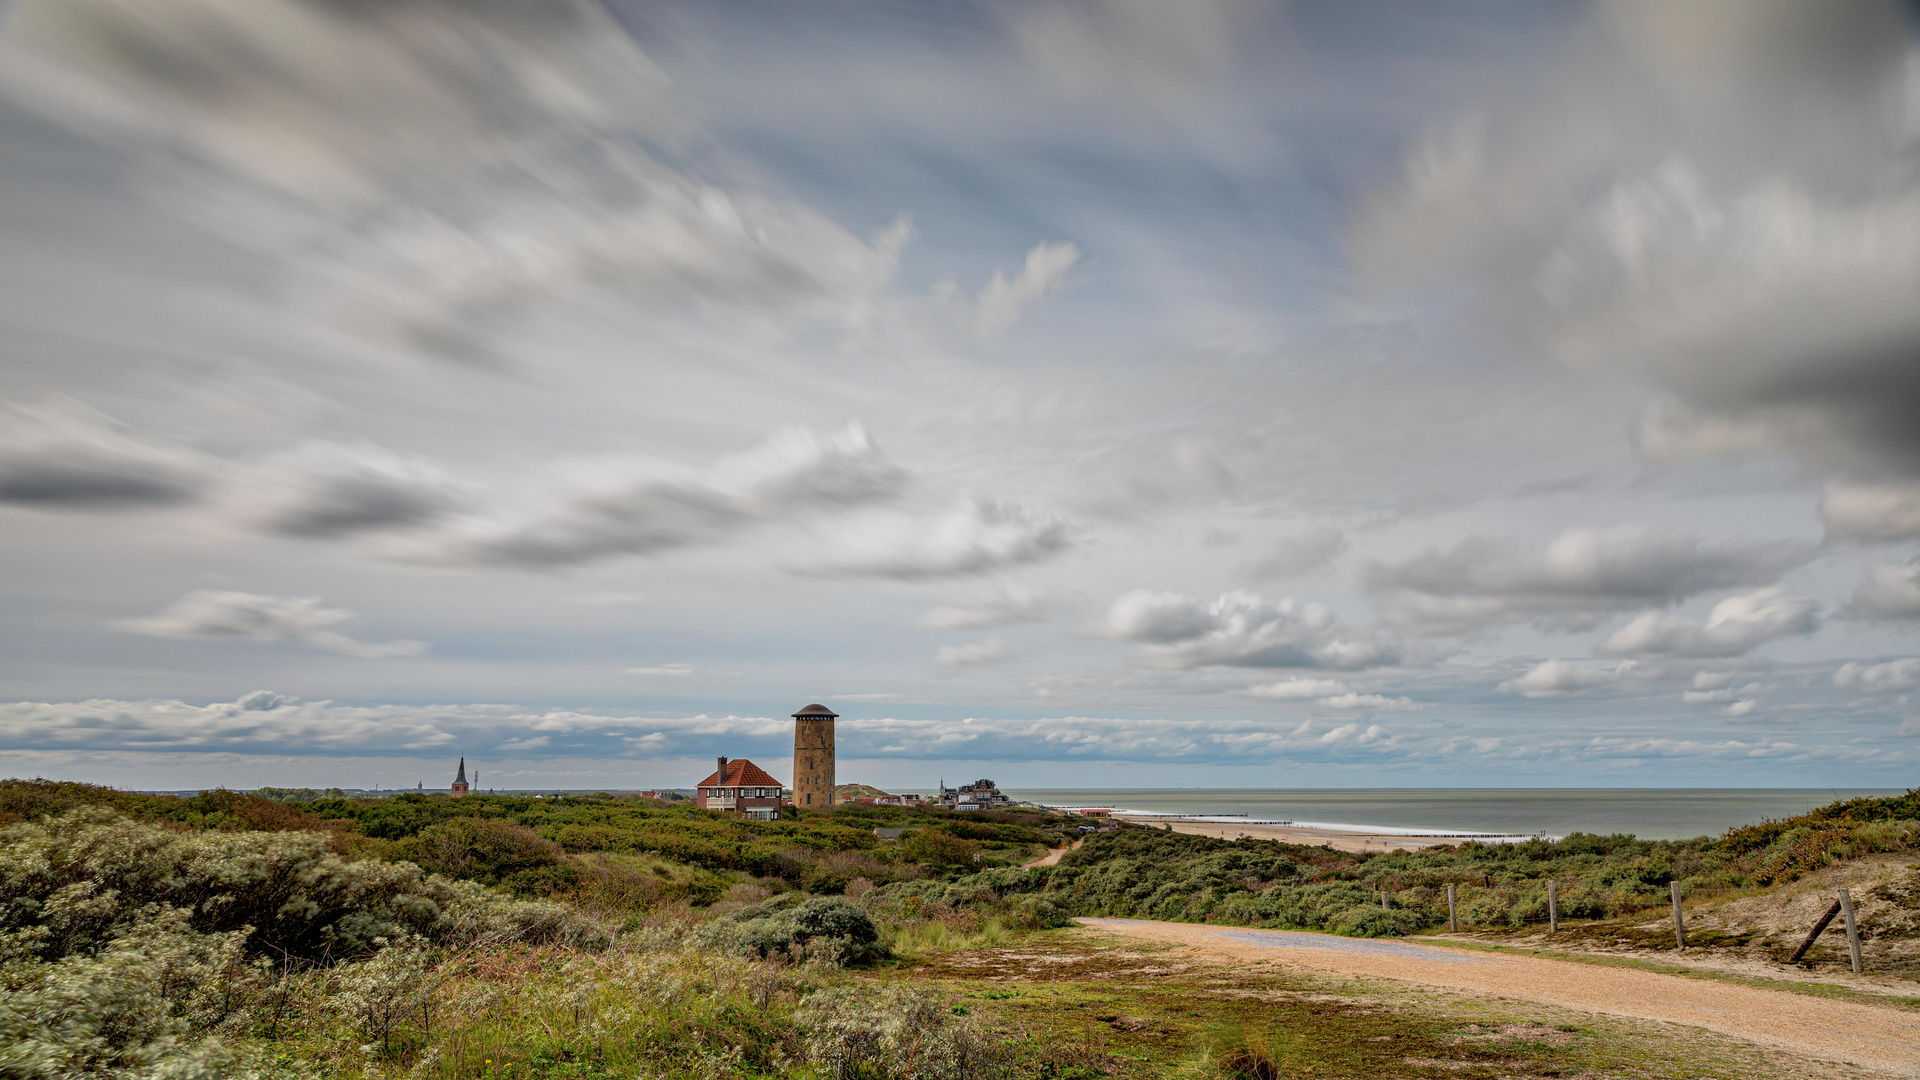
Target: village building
[979, 795]
[742, 788]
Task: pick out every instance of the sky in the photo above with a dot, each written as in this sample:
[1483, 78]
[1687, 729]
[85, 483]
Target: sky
[1079, 394]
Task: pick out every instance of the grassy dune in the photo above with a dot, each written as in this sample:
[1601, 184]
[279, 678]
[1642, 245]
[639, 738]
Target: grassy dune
[236, 935]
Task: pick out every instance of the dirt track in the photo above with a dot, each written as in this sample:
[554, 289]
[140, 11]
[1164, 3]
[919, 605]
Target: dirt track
[1882, 1039]
[1051, 858]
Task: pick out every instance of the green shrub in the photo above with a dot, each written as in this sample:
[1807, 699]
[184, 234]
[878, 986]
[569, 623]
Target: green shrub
[852, 1033]
[82, 877]
[937, 847]
[492, 852]
[782, 925]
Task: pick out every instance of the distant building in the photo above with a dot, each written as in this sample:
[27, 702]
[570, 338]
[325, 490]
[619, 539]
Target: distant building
[740, 787]
[813, 757]
[459, 788]
[979, 795]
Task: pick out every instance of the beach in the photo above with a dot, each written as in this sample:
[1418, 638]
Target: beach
[1338, 839]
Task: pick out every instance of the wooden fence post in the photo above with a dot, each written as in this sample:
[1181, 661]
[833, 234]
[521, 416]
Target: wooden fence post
[1853, 931]
[1383, 901]
[1679, 920]
[1553, 906]
[1453, 919]
[1814, 933]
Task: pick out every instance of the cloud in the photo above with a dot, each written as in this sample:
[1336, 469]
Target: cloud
[973, 536]
[1902, 674]
[974, 654]
[1002, 300]
[1005, 606]
[1886, 593]
[1741, 708]
[66, 456]
[1376, 702]
[1133, 51]
[224, 613]
[1703, 192]
[1577, 580]
[675, 669]
[1299, 688]
[1559, 678]
[1735, 626]
[1300, 553]
[322, 490]
[1713, 680]
[1241, 629]
[432, 168]
[1877, 513]
[629, 508]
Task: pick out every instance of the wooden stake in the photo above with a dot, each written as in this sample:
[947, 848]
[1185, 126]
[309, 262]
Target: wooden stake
[1814, 933]
[1553, 906]
[1853, 931]
[1453, 920]
[1383, 901]
[1679, 920]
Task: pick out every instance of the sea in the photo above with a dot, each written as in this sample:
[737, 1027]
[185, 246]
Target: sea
[1649, 813]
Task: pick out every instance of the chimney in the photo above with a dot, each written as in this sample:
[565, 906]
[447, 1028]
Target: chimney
[720, 774]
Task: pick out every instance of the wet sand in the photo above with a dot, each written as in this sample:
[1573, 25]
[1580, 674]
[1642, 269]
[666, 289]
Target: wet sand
[1293, 834]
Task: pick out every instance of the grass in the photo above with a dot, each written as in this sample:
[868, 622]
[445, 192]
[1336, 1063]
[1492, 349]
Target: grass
[1082, 1003]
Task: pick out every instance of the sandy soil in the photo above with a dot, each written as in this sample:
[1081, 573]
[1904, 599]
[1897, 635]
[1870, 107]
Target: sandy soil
[1052, 857]
[1881, 1039]
[1341, 841]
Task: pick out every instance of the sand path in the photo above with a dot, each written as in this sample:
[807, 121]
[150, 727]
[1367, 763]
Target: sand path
[1051, 858]
[1882, 1039]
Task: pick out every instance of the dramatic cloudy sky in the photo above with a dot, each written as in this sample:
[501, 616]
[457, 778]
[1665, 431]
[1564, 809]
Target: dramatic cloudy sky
[1076, 393]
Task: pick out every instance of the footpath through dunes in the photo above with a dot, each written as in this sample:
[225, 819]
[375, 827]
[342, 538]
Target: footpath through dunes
[1883, 1039]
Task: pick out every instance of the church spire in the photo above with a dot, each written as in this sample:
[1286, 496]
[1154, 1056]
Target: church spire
[461, 776]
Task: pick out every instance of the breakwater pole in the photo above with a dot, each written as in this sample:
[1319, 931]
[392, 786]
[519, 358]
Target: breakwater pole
[1679, 918]
[1453, 918]
[1853, 930]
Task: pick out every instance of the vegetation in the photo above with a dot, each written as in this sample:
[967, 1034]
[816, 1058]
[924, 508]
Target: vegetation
[232, 934]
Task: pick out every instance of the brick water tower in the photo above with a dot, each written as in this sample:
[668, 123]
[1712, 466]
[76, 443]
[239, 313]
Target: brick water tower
[813, 757]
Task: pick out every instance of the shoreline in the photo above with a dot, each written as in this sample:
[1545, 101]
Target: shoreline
[1337, 835]
[1344, 839]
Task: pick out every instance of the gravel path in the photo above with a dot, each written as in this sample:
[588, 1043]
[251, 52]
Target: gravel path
[1882, 1039]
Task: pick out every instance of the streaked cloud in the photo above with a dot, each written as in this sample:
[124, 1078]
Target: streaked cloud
[1006, 605]
[1576, 580]
[1902, 674]
[626, 507]
[1876, 513]
[1735, 627]
[972, 536]
[1557, 678]
[324, 490]
[973, 654]
[1886, 594]
[1242, 629]
[64, 455]
[1297, 554]
[228, 613]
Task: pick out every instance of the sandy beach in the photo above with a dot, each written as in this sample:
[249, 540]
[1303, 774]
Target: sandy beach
[1340, 840]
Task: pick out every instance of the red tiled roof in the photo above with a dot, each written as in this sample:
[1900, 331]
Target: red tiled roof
[741, 773]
